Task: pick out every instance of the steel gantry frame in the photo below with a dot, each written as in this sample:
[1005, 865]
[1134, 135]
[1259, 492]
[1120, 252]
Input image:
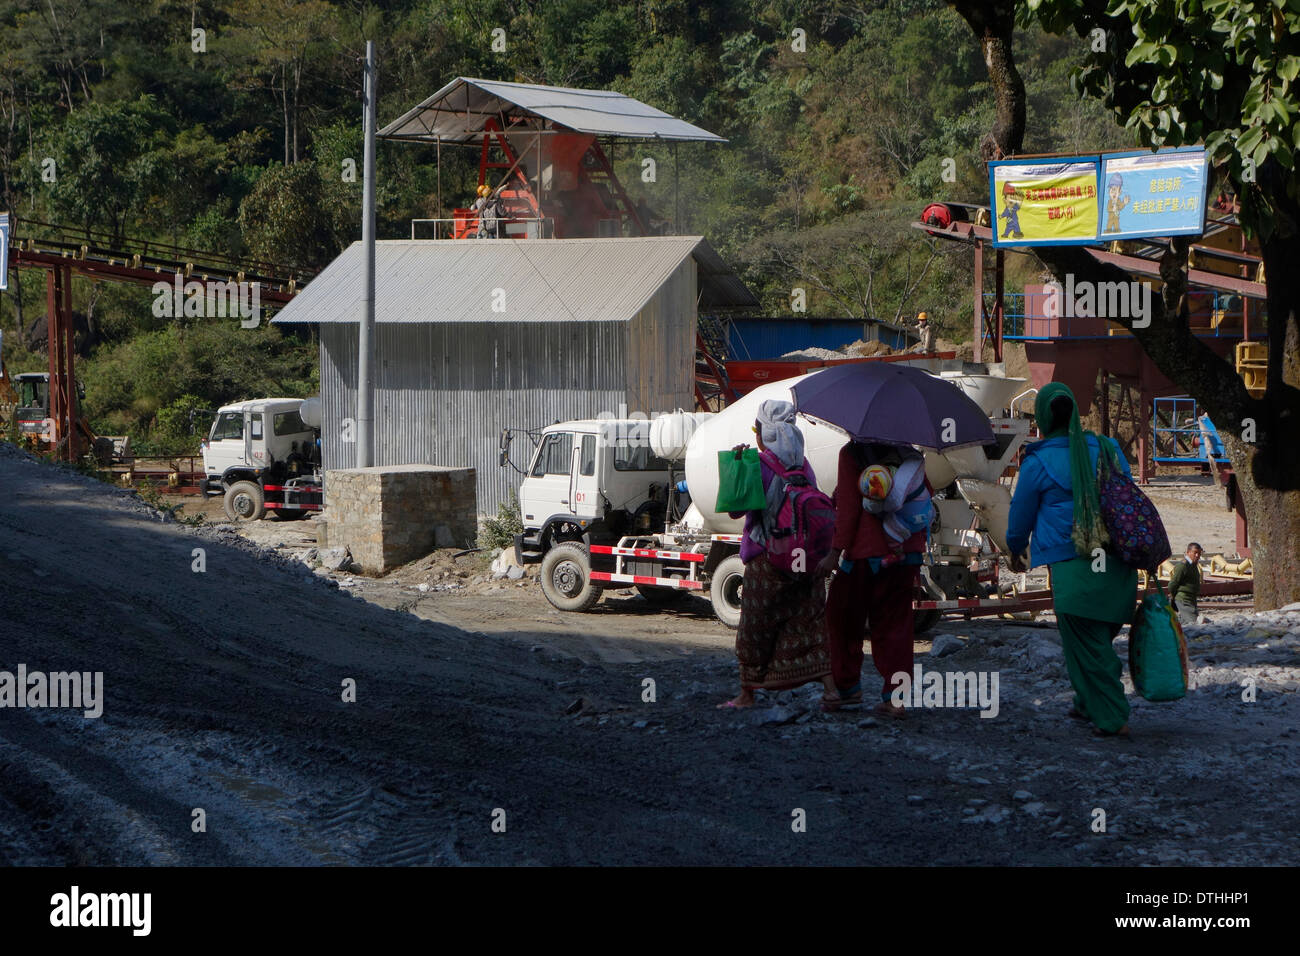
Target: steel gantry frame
[98, 256]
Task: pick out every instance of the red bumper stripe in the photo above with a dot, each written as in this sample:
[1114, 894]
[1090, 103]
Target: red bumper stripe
[645, 579]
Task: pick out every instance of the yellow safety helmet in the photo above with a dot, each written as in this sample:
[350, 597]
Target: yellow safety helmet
[484, 190]
[922, 315]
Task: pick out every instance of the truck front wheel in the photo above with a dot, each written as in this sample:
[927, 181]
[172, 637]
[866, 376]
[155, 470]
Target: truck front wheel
[244, 502]
[725, 590]
[566, 578]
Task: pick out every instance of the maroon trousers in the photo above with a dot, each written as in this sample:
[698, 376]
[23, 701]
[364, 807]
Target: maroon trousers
[882, 601]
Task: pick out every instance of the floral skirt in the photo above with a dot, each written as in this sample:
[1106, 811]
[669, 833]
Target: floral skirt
[781, 641]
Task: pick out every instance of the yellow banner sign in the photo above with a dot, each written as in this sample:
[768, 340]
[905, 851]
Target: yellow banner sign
[1037, 203]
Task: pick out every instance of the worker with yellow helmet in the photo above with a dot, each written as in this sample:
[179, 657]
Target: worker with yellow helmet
[480, 208]
[926, 332]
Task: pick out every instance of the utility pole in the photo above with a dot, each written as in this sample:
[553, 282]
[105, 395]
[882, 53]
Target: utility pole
[366, 333]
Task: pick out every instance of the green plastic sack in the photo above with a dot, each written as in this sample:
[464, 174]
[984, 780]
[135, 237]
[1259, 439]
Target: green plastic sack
[740, 481]
[1157, 650]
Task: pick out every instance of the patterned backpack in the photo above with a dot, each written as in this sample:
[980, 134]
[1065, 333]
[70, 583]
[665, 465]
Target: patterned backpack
[804, 524]
[1137, 535]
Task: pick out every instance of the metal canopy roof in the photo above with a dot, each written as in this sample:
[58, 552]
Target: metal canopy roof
[457, 112]
[544, 280]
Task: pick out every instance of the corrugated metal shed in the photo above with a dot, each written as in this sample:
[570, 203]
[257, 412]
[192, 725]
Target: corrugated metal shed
[444, 392]
[540, 280]
[590, 325]
[457, 112]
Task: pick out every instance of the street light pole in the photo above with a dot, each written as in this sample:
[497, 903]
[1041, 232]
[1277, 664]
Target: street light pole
[366, 334]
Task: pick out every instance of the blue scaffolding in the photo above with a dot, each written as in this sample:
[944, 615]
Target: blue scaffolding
[1179, 438]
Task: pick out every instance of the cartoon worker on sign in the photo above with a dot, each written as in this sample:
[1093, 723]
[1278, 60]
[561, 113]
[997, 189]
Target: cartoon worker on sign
[1115, 203]
[1011, 213]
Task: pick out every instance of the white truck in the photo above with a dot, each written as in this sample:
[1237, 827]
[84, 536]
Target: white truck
[603, 508]
[264, 455]
[604, 505]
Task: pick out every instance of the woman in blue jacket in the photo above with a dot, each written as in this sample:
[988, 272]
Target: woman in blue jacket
[1093, 594]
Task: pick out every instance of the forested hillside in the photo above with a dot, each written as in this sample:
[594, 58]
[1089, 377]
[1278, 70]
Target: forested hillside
[234, 139]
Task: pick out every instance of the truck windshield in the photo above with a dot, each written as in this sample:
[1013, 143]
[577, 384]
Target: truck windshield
[33, 393]
[555, 457]
[228, 425]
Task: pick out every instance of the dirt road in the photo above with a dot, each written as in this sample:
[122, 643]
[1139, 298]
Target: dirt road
[224, 691]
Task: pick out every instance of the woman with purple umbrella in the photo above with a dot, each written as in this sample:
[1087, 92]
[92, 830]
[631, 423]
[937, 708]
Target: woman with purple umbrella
[880, 532]
[882, 508]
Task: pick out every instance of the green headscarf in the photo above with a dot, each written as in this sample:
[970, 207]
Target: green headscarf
[1089, 529]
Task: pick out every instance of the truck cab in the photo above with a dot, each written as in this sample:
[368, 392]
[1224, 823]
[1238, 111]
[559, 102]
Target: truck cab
[260, 455]
[592, 480]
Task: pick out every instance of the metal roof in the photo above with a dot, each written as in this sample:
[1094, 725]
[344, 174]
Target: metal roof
[457, 112]
[720, 288]
[543, 280]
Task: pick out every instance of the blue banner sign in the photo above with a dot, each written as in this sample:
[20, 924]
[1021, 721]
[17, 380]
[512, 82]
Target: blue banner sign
[1153, 194]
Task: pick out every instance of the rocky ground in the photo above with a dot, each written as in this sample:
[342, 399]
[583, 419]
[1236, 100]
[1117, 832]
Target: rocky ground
[476, 702]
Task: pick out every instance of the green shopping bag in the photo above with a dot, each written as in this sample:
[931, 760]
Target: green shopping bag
[1157, 650]
[740, 481]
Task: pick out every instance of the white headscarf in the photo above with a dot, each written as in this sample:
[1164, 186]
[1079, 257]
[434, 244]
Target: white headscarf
[779, 434]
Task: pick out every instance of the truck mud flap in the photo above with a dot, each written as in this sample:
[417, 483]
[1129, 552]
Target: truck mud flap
[527, 550]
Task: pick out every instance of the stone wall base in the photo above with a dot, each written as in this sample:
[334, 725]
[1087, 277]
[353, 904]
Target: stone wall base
[390, 515]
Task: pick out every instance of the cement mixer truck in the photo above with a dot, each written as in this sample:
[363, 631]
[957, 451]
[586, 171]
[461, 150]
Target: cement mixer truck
[620, 503]
[264, 455]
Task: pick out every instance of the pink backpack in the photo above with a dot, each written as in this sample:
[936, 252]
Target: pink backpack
[805, 523]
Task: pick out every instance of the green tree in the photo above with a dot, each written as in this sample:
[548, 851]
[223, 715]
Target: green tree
[110, 161]
[1183, 71]
[69, 42]
[284, 40]
[285, 220]
[181, 424]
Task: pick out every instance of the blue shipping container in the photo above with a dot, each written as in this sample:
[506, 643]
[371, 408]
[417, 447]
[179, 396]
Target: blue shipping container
[772, 338]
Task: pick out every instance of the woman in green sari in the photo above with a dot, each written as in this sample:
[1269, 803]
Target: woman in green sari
[1057, 502]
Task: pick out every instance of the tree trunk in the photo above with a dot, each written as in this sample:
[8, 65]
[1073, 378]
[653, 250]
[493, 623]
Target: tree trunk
[1270, 482]
[1274, 525]
[297, 82]
[1267, 468]
[994, 24]
[18, 292]
[284, 105]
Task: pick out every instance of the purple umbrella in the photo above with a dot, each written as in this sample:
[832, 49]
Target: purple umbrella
[894, 404]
